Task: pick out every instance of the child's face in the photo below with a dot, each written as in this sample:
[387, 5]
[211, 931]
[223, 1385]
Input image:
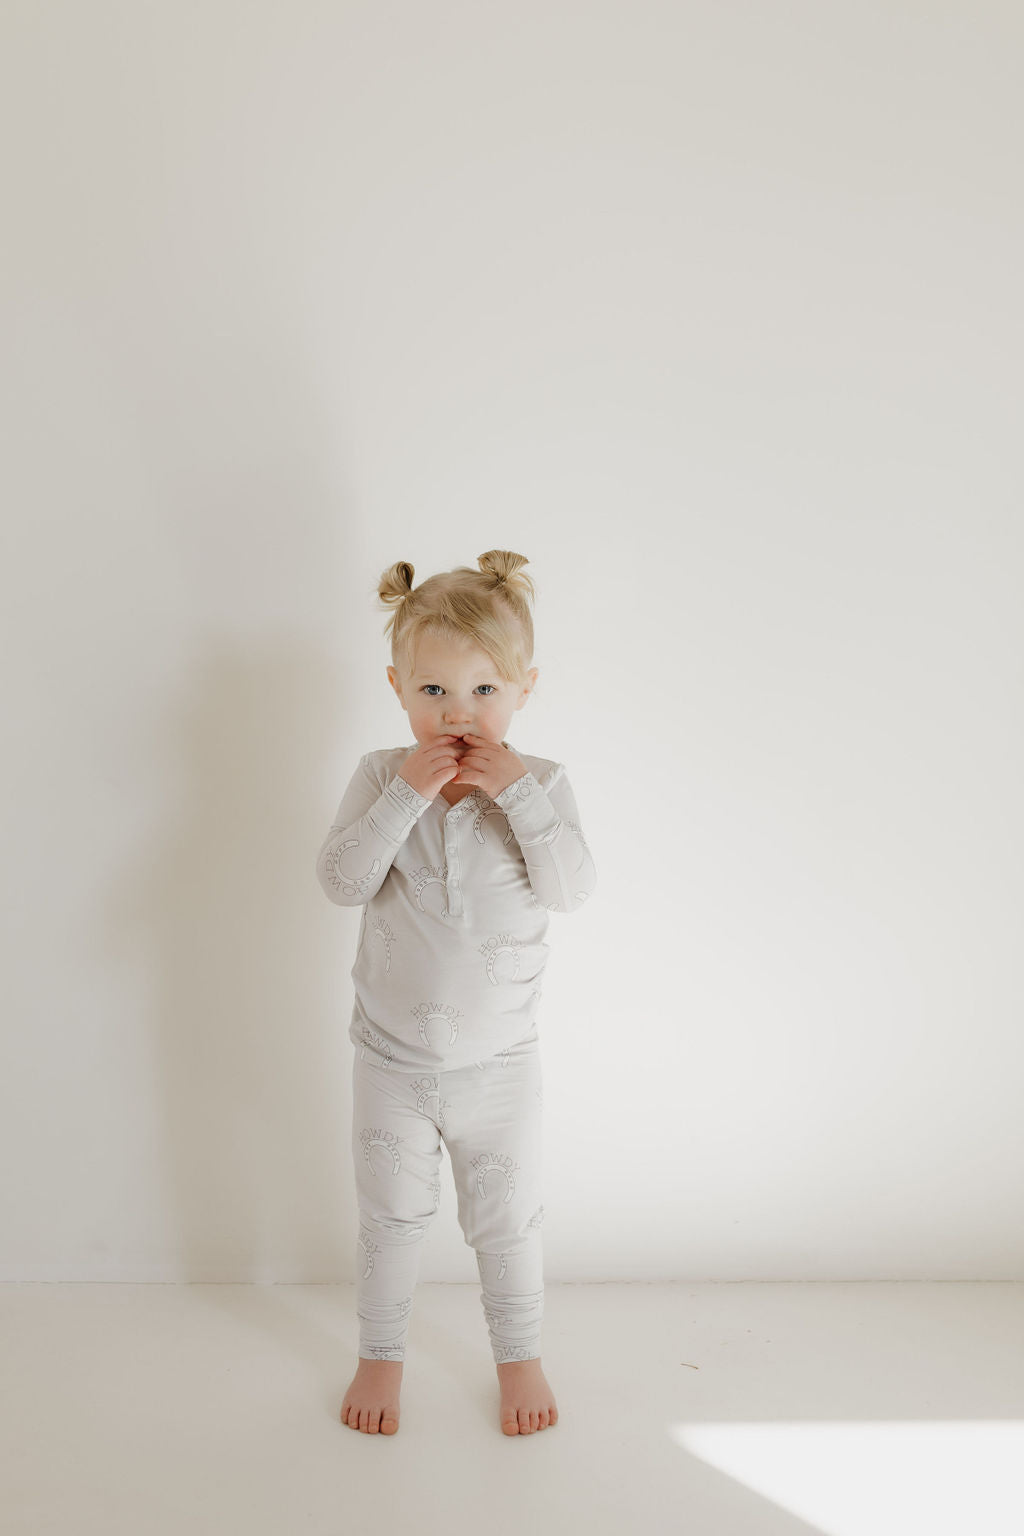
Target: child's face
[455, 688]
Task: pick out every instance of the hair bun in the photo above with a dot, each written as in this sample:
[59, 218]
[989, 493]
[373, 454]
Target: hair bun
[395, 584]
[502, 564]
[489, 606]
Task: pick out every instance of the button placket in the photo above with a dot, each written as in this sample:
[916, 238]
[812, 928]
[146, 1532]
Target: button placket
[453, 863]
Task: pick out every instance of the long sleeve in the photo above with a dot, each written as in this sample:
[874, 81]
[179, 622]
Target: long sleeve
[546, 824]
[370, 826]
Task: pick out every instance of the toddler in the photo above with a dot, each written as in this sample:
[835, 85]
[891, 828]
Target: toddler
[456, 850]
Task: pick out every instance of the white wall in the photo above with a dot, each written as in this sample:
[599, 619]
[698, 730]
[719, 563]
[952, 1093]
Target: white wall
[712, 311]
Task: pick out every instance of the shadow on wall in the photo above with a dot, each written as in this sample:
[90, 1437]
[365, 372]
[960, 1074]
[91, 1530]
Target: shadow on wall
[250, 1070]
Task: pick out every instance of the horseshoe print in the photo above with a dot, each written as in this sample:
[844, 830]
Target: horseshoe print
[501, 1164]
[429, 1088]
[376, 1043]
[496, 945]
[426, 1013]
[502, 1266]
[384, 931]
[351, 885]
[370, 1250]
[379, 1138]
[427, 874]
[481, 817]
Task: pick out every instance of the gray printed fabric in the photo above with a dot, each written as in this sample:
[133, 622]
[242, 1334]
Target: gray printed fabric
[490, 1118]
[455, 898]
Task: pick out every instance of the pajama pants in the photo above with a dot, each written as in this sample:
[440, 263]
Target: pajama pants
[488, 1115]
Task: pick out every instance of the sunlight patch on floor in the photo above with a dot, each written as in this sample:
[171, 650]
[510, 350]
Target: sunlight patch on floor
[879, 1478]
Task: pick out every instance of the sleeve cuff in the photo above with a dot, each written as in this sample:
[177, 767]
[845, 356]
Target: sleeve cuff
[397, 811]
[533, 817]
[408, 796]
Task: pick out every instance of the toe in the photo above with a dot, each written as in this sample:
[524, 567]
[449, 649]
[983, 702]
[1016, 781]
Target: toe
[524, 1421]
[374, 1425]
[509, 1421]
[542, 1419]
[388, 1422]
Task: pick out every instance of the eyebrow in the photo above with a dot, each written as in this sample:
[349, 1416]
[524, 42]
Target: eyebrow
[432, 677]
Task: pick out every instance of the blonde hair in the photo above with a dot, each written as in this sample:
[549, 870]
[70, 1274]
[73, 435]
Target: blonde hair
[489, 607]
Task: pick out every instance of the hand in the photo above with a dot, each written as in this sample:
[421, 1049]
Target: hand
[489, 765]
[431, 766]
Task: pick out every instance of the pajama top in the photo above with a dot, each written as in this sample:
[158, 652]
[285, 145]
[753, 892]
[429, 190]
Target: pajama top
[455, 899]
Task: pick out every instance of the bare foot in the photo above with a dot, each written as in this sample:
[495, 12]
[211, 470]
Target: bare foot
[527, 1402]
[371, 1402]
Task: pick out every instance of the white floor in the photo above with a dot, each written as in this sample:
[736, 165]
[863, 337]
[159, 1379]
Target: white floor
[705, 1409]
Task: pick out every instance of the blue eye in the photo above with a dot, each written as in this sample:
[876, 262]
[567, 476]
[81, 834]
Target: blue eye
[438, 685]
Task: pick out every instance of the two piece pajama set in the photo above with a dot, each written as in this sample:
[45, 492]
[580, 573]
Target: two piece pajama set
[447, 980]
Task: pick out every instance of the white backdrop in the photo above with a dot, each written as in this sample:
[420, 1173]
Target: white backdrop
[714, 313]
